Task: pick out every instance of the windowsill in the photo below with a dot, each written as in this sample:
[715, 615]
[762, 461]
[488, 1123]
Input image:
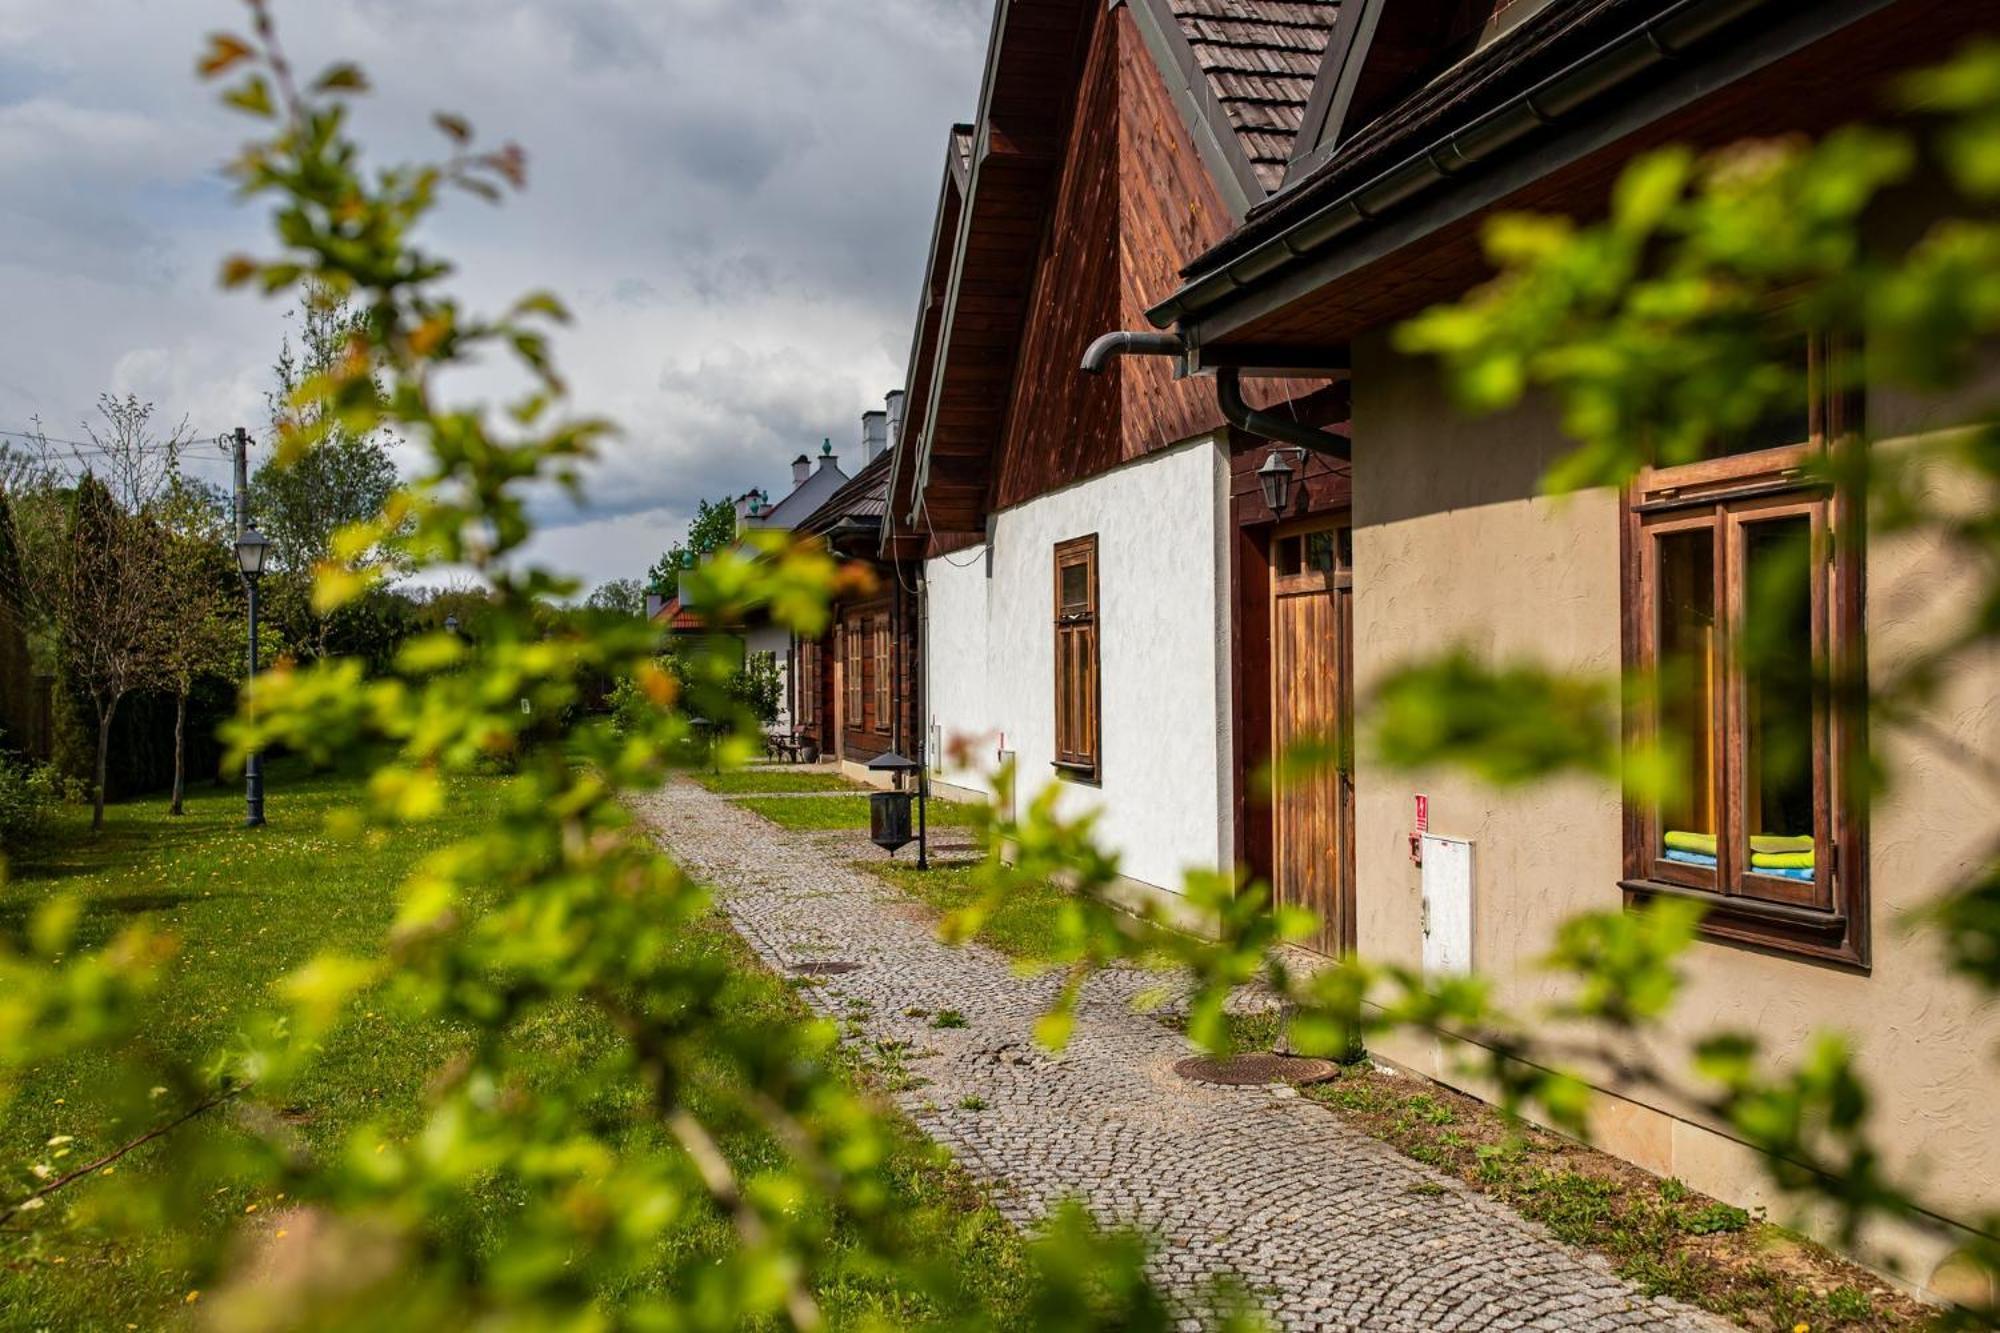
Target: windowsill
[1781, 927]
[1069, 772]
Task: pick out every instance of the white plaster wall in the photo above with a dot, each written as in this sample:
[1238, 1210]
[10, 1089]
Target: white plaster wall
[1161, 525]
[777, 642]
[955, 662]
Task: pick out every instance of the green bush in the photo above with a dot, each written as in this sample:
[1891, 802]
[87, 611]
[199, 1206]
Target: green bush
[26, 793]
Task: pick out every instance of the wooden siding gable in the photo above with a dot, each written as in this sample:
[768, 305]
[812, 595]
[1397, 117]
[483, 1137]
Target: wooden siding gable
[1133, 202]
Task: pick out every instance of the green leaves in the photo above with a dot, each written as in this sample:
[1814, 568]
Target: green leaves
[1508, 725]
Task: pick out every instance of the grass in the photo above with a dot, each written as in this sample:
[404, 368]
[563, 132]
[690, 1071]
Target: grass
[1024, 927]
[248, 907]
[805, 813]
[761, 781]
[1657, 1233]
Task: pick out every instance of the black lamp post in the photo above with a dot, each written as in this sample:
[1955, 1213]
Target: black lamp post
[889, 811]
[1275, 477]
[252, 549]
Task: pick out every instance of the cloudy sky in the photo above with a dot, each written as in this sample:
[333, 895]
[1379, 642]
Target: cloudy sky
[734, 197]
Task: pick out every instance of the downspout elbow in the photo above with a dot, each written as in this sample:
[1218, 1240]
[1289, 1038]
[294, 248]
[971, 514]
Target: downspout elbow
[1123, 343]
[1238, 413]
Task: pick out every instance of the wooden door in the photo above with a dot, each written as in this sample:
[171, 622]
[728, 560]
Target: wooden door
[1312, 814]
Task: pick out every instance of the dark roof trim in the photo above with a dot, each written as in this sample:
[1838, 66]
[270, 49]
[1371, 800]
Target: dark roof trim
[1333, 89]
[1303, 257]
[960, 154]
[1215, 137]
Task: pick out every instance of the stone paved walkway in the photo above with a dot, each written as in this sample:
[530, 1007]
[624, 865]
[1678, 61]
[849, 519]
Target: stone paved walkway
[1333, 1229]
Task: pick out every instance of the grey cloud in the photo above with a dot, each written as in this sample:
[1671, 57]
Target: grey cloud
[735, 193]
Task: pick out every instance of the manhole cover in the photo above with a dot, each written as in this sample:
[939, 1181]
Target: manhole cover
[830, 969]
[1254, 1068]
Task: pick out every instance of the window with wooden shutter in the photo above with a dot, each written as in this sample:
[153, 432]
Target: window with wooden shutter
[1743, 606]
[808, 663]
[883, 676]
[1076, 694]
[852, 632]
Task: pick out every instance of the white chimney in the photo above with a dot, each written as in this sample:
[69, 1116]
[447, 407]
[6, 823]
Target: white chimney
[827, 458]
[802, 468]
[874, 434]
[895, 402]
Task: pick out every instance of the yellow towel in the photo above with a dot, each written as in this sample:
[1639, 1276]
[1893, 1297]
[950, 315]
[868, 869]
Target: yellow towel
[1771, 843]
[1781, 861]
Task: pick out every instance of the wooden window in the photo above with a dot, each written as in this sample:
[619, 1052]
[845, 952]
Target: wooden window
[1076, 657]
[883, 675]
[808, 685]
[1742, 604]
[851, 631]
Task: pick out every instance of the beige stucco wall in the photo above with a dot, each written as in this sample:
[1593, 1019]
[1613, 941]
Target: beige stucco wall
[1452, 545]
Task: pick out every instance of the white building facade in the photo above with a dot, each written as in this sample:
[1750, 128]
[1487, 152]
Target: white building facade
[1162, 788]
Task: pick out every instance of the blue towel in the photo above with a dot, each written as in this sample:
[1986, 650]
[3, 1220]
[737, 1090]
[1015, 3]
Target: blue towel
[1691, 858]
[1803, 876]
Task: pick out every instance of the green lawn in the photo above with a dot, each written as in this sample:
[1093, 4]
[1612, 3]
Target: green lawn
[1025, 925]
[250, 906]
[756, 781]
[843, 812]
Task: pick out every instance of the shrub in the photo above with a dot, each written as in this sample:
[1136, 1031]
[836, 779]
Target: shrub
[26, 793]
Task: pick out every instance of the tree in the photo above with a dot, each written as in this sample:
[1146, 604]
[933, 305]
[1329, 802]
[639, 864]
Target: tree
[624, 597]
[103, 584]
[135, 462]
[559, 915]
[343, 476]
[713, 527]
[16, 667]
[197, 630]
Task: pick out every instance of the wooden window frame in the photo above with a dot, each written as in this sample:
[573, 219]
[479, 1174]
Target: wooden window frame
[801, 686]
[852, 682]
[1828, 919]
[884, 706]
[1078, 690]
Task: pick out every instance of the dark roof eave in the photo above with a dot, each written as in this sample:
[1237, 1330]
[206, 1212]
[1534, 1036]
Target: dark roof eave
[1666, 38]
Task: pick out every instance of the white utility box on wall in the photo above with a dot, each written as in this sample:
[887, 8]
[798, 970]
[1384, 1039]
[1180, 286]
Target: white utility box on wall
[1447, 906]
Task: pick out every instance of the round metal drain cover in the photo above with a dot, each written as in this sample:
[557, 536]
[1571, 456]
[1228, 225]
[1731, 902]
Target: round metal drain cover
[830, 969]
[1254, 1068]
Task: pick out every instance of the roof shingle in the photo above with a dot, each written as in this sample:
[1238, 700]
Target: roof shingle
[1260, 58]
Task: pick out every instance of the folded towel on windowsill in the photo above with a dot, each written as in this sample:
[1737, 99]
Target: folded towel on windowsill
[1686, 858]
[1768, 843]
[1803, 876]
[1781, 860]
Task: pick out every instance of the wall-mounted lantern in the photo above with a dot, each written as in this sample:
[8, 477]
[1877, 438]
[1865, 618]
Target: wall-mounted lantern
[1275, 477]
[889, 823]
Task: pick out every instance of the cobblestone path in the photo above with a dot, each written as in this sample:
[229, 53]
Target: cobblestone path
[1331, 1228]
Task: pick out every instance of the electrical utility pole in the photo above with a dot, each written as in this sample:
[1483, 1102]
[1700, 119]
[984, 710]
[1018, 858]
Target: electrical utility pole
[242, 443]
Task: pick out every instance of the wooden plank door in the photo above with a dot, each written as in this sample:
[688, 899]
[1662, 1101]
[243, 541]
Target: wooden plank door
[1312, 814]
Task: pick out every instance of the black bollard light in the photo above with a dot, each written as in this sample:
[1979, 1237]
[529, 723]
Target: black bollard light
[889, 825]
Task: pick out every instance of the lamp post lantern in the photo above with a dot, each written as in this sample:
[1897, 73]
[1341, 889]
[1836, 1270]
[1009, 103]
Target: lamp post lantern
[889, 811]
[253, 548]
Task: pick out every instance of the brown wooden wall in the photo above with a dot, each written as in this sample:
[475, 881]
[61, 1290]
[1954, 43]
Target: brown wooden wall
[1133, 204]
[860, 741]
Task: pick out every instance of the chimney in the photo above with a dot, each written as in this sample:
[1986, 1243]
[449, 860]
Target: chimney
[802, 468]
[827, 457]
[874, 434]
[895, 402]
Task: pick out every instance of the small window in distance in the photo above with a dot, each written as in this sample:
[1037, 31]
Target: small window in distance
[1289, 556]
[1076, 653]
